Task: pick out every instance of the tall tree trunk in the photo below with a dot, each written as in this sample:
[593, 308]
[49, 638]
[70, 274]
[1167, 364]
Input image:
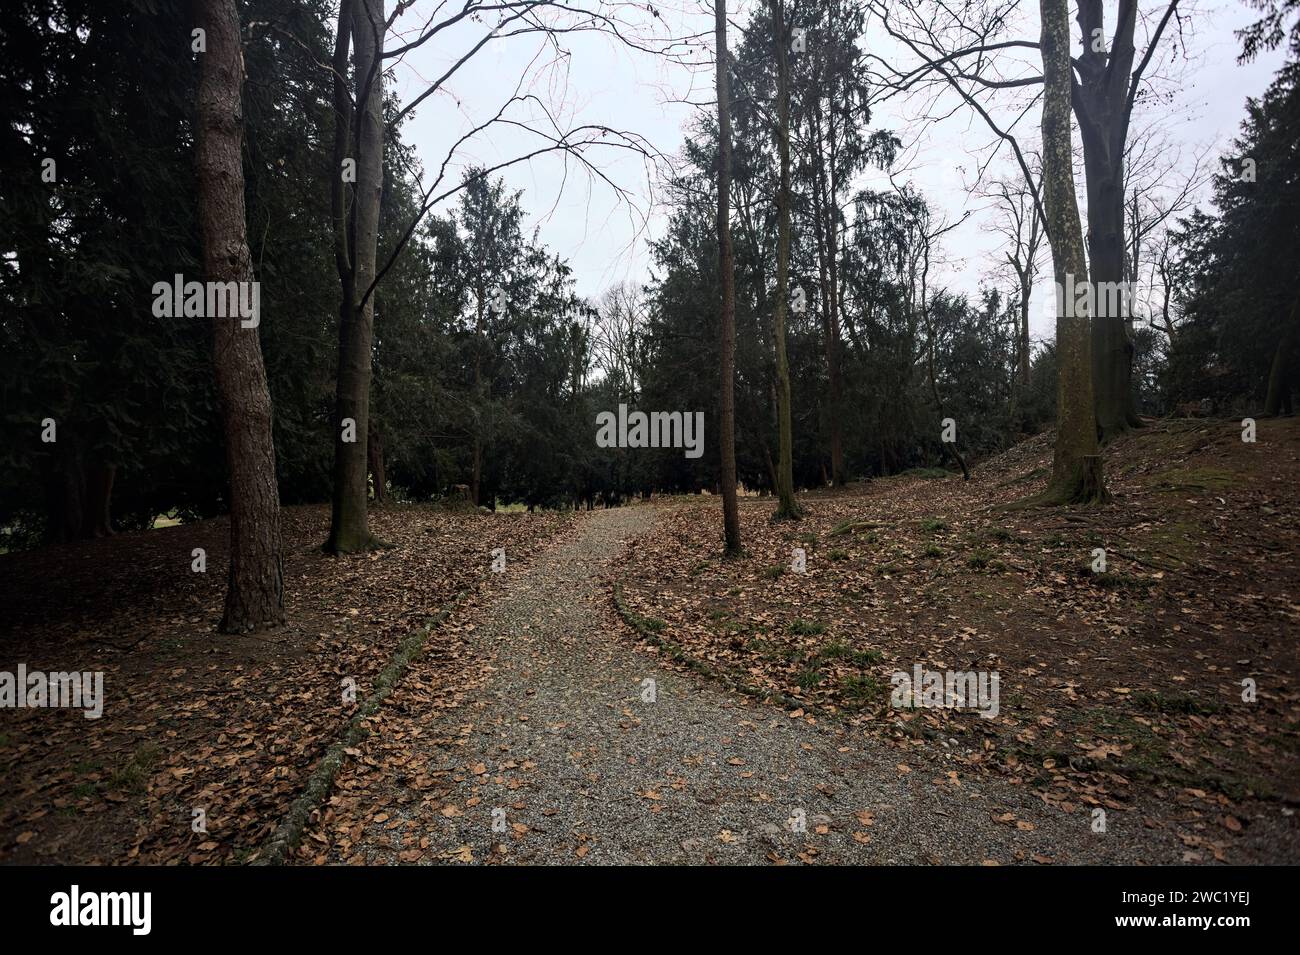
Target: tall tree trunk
[1112, 343]
[476, 475]
[1281, 373]
[727, 281]
[255, 591]
[833, 370]
[1023, 335]
[1076, 465]
[350, 524]
[824, 222]
[1100, 102]
[783, 478]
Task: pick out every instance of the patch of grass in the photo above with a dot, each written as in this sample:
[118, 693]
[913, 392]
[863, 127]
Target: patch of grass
[1197, 479]
[84, 790]
[865, 658]
[999, 534]
[838, 555]
[861, 688]
[1175, 703]
[1117, 581]
[839, 650]
[932, 550]
[807, 628]
[1177, 539]
[132, 775]
[927, 473]
[772, 573]
[653, 624]
[809, 679]
[932, 524]
[979, 559]
[1149, 751]
[807, 538]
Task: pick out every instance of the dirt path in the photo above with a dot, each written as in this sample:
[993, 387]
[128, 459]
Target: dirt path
[560, 747]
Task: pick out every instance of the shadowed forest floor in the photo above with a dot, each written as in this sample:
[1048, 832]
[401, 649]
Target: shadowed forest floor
[197, 719]
[530, 732]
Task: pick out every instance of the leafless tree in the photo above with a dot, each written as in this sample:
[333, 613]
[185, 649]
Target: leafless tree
[970, 51]
[378, 43]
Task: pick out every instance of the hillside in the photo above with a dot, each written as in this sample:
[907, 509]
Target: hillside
[1121, 689]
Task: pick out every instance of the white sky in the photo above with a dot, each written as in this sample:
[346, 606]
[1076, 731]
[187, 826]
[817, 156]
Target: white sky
[604, 82]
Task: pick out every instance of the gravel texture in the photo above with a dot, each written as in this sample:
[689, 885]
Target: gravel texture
[566, 754]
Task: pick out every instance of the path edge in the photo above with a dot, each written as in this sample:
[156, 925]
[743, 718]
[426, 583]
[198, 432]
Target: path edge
[677, 653]
[275, 850]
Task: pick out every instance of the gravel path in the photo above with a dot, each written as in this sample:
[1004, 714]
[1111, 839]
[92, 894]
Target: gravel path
[562, 749]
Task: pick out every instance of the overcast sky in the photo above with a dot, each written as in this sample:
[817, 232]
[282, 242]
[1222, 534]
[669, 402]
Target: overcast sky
[1200, 96]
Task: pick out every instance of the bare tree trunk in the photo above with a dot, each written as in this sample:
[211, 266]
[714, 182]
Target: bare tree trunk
[1024, 335]
[255, 591]
[824, 221]
[1100, 104]
[350, 524]
[833, 370]
[1112, 344]
[727, 280]
[1076, 465]
[477, 471]
[783, 477]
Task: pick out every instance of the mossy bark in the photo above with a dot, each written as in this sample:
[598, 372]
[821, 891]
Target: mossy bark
[1076, 465]
[357, 231]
